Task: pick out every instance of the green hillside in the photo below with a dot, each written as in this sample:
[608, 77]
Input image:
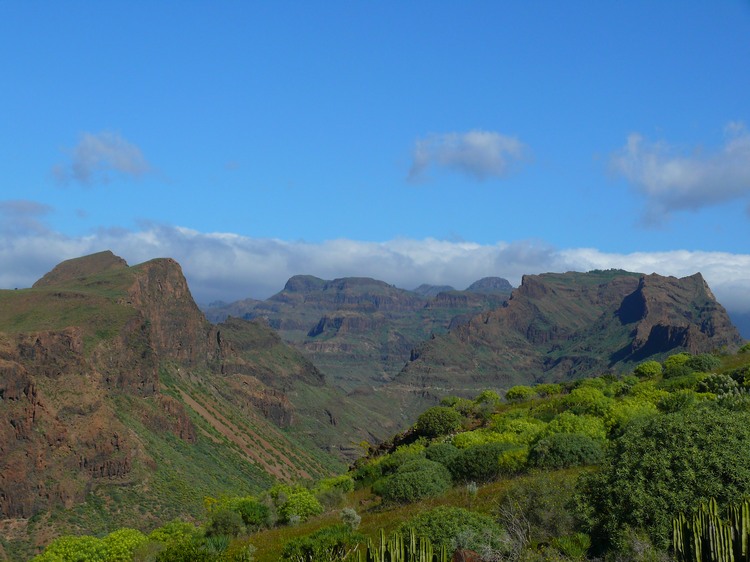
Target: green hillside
[553, 472]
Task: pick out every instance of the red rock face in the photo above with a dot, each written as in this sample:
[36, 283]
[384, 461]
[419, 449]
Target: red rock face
[563, 326]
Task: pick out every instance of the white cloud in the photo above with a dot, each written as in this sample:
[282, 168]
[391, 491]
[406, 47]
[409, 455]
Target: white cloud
[479, 154]
[221, 266]
[98, 156]
[671, 180]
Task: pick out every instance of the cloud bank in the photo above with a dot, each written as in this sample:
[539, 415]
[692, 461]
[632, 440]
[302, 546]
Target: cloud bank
[221, 266]
[98, 157]
[477, 154]
[673, 181]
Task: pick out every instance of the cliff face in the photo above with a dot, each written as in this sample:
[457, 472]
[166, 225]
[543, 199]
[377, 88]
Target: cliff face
[562, 326]
[81, 356]
[358, 330]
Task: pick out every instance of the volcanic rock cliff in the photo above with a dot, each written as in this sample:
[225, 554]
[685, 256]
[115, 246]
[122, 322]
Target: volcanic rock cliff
[110, 375]
[562, 326]
[357, 330]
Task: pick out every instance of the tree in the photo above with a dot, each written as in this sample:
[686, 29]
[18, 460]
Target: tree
[437, 421]
[648, 369]
[665, 465]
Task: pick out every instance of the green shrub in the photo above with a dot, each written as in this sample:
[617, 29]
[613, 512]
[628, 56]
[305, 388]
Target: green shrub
[718, 384]
[487, 397]
[225, 522]
[573, 546]
[350, 518]
[294, 501]
[480, 463]
[122, 543]
[648, 369]
[520, 393]
[539, 506]
[517, 430]
[174, 532]
[254, 514]
[443, 525]
[548, 389]
[626, 410]
[329, 544]
[437, 421]
[442, 453]
[689, 381]
[74, 549]
[513, 460]
[587, 400]
[568, 422]
[665, 465]
[678, 400]
[705, 363]
[677, 365]
[415, 480]
[482, 436]
[563, 450]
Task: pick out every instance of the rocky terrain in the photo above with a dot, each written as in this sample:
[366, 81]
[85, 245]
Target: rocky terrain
[360, 331]
[112, 382]
[120, 401]
[563, 326]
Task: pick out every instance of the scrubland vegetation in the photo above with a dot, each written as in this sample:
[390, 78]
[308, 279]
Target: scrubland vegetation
[608, 468]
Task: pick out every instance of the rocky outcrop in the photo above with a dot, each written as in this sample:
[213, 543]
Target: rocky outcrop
[64, 391]
[347, 323]
[361, 330]
[562, 326]
[491, 285]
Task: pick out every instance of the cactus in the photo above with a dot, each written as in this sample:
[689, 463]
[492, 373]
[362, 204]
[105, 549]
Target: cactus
[397, 548]
[707, 537]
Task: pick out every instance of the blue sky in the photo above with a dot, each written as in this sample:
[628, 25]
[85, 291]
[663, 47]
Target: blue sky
[413, 142]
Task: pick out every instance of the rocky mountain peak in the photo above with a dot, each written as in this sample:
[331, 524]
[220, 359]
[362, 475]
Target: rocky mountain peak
[491, 285]
[79, 268]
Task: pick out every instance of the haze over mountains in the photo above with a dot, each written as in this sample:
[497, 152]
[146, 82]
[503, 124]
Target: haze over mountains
[114, 384]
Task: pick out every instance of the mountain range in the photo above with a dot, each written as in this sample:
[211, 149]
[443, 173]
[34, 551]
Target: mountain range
[121, 401]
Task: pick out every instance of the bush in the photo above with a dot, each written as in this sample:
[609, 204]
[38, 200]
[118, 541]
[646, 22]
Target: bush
[548, 389]
[443, 453]
[676, 365]
[225, 522]
[718, 384]
[437, 421]
[350, 518]
[568, 422]
[482, 436]
[587, 400]
[520, 393]
[332, 544]
[689, 381]
[294, 501]
[413, 481]
[480, 463]
[563, 450]
[122, 543]
[678, 400]
[443, 525]
[537, 507]
[666, 465]
[254, 514]
[705, 363]
[648, 369]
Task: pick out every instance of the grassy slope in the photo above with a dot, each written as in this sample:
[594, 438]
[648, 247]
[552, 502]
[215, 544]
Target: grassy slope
[170, 477]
